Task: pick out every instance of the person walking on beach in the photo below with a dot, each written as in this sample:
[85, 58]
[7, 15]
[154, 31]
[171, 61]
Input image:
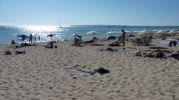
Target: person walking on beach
[123, 38]
[30, 38]
[39, 38]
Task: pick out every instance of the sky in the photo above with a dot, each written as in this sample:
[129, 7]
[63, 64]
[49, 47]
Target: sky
[89, 12]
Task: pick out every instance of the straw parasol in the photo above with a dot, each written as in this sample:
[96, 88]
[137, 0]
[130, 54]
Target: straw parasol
[172, 33]
[145, 33]
[161, 33]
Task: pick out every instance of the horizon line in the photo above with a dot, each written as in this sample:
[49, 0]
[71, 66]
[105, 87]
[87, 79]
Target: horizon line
[86, 25]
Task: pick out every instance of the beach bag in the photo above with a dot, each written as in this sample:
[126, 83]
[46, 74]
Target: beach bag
[8, 53]
[102, 71]
[20, 52]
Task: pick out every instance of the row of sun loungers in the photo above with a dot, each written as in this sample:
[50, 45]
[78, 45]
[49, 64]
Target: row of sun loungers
[158, 52]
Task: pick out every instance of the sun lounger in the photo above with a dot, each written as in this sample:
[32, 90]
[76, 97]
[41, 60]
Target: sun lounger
[152, 54]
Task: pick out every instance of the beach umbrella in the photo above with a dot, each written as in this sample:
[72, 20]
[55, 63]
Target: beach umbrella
[131, 33]
[142, 32]
[113, 32]
[92, 33]
[51, 35]
[23, 37]
[76, 34]
[172, 33]
[145, 33]
[160, 33]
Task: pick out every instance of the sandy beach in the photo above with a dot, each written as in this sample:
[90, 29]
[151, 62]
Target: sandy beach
[50, 74]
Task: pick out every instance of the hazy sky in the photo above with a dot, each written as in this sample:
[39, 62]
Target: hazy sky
[80, 12]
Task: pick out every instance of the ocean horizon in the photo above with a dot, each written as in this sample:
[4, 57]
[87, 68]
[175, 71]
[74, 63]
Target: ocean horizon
[9, 33]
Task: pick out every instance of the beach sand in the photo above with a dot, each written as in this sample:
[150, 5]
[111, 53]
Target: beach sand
[49, 74]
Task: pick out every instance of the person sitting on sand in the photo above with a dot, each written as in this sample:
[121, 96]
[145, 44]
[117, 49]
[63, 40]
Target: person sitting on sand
[77, 39]
[49, 45]
[13, 44]
[26, 44]
[8, 53]
[159, 54]
[156, 54]
[172, 43]
[95, 38]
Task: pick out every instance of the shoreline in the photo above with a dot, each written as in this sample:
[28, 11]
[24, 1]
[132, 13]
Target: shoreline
[67, 33]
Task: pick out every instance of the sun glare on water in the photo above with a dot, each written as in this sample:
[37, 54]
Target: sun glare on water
[41, 28]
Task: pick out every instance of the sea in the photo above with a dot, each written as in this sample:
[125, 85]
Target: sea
[41, 33]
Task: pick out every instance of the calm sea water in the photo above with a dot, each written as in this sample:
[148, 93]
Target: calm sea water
[8, 33]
